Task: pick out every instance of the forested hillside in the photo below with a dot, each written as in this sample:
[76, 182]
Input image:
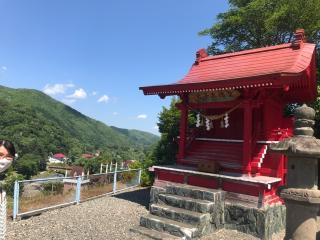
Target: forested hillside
[40, 125]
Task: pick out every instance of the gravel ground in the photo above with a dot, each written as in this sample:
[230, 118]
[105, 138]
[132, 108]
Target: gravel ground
[103, 218]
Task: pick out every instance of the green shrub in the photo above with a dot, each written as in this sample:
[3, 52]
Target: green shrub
[9, 181]
[52, 187]
[128, 176]
[146, 176]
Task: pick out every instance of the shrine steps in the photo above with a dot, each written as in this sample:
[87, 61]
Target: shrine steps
[183, 211]
[194, 192]
[179, 214]
[259, 154]
[188, 203]
[172, 227]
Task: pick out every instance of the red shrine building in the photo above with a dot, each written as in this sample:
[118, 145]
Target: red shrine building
[239, 100]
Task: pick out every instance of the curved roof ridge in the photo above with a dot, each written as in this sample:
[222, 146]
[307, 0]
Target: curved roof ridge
[249, 51]
[303, 61]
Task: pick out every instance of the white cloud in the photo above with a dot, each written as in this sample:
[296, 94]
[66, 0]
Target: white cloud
[115, 113]
[94, 93]
[142, 116]
[103, 98]
[156, 127]
[4, 68]
[78, 94]
[57, 88]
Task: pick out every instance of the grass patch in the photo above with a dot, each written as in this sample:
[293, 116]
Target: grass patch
[43, 200]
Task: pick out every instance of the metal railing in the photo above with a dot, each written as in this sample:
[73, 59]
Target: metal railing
[37, 195]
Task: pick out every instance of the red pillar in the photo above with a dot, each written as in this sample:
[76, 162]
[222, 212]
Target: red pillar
[247, 137]
[183, 126]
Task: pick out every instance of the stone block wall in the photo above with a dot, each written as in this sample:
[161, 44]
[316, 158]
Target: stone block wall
[259, 222]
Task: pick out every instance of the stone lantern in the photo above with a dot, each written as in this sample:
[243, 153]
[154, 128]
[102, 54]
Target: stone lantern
[301, 194]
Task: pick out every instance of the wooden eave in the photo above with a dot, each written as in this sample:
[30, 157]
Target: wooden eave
[266, 81]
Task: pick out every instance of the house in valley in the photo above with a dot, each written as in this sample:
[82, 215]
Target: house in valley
[57, 158]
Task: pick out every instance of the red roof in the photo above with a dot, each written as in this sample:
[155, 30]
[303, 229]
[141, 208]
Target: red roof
[59, 155]
[261, 67]
[282, 59]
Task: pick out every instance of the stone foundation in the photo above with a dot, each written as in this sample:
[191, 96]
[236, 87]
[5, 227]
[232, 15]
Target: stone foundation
[259, 222]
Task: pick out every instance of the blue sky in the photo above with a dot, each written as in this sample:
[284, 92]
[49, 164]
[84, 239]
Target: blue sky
[93, 55]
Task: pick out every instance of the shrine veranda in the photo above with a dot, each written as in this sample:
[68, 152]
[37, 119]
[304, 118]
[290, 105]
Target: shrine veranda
[239, 100]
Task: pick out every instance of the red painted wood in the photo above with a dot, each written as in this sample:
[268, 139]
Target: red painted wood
[240, 188]
[247, 138]
[234, 131]
[268, 195]
[170, 176]
[229, 104]
[202, 182]
[220, 152]
[183, 126]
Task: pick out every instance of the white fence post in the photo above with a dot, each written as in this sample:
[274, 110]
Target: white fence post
[115, 180]
[78, 189]
[139, 176]
[15, 200]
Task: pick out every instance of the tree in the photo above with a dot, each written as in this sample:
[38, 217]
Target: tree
[105, 157]
[28, 165]
[259, 23]
[167, 147]
[11, 177]
[169, 122]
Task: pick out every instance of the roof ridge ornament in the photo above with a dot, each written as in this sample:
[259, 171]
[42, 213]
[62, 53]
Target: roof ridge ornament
[299, 39]
[201, 53]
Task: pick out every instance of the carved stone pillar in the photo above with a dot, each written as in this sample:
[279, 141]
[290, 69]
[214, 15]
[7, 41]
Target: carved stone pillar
[301, 194]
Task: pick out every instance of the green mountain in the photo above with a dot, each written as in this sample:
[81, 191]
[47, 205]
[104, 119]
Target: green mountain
[38, 124]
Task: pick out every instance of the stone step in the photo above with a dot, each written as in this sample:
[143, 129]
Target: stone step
[153, 234]
[179, 214]
[175, 228]
[195, 192]
[192, 204]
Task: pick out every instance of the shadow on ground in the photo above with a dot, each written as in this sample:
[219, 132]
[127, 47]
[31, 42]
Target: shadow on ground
[140, 196]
